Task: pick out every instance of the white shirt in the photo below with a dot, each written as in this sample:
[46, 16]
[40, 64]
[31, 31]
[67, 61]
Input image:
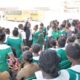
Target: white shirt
[30, 37]
[64, 75]
[6, 38]
[22, 33]
[50, 32]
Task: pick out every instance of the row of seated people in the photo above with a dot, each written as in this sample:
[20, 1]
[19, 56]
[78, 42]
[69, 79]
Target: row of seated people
[51, 57]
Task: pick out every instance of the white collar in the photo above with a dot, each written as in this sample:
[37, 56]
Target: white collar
[36, 57]
[4, 46]
[76, 68]
[12, 37]
[61, 48]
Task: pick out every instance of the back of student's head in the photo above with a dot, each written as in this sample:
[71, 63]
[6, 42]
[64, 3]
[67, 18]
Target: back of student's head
[62, 41]
[78, 35]
[20, 26]
[71, 39]
[73, 51]
[15, 32]
[49, 62]
[2, 35]
[41, 24]
[27, 56]
[35, 27]
[52, 42]
[7, 31]
[36, 48]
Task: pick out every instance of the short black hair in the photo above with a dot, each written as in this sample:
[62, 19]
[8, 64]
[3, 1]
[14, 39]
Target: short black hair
[62, 41]
[71, 38]
[52, 42]
[73, 51]
[41, 24]
[78, 35]
[36, 26]
[36, 48]
[20, 25]
[7, 31]
[15, 32]
[49, 62]
[2, 35]
[27, 56]
[69, 25]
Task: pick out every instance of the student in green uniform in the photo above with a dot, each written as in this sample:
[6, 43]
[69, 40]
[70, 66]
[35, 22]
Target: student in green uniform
[40, 40]
[5, 52]
[44, 28]
[49, 66]
[35, 35]
[46, 40]
[36, 49]
[16, 43]
[65, 63]
[73, 52]
[70, 39]
[52, 44]
[54, 33]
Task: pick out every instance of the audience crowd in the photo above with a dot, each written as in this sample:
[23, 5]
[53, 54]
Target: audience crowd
[43, 53]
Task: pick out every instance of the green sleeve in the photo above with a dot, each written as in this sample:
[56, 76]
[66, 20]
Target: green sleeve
[21, 41]
[62, 54]
[9, 51]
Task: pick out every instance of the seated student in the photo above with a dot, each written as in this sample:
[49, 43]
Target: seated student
[52, 44]
[70, 39]
[5, 52]
[49, 65]
[65, 63]
[78, 38]
[36, 49]
[73, 52]
[4, 76]
[28, 70]
[16, 43]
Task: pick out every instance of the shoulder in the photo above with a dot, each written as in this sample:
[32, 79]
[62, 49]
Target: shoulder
[64, 75]
[4, 46]
[14, 38]
[31, 67]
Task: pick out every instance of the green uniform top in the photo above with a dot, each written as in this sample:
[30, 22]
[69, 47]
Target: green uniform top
[55, 35]
[16, 43]
[36, 59]
[44, 31]
[35, 37]
[46, 41]
[74, 72]
[65, 63]
[40, 39]
[62, 32]
[5, 51]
